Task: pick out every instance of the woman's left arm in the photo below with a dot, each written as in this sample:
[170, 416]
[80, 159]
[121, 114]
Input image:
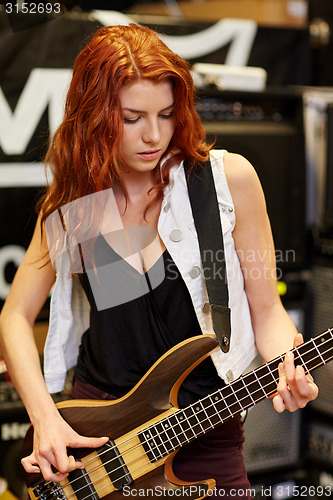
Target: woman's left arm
[274, 331]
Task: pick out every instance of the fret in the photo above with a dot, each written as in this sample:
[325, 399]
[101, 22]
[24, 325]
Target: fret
[192, 421]
[214, 415]
[199, 414]
[149, 445]
[301, 358]
[318, 351]
[254, 387]
[171, 433]
[308, 356]
[274, 374]
[219, 405]
[329, 334]
[174, 431]
[208, 422]
[185, 428]
[237, 399]
[324, 344]
[241, 392]
[231, 401]
[261, 387]
[224, 405]
[179, 434]
[164, 437]
[250, 395]
[329, 352]
[266, 378]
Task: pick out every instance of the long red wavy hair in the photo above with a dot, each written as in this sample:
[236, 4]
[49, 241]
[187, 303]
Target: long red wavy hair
[85, 153]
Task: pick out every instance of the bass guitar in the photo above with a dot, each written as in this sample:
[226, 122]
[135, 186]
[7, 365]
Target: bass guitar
[146, 428]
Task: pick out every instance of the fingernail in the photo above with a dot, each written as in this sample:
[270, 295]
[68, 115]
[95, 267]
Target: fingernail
[281, 368]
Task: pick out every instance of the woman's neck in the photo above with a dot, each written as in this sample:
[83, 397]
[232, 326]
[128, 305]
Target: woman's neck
[137, 185]
[139, 194]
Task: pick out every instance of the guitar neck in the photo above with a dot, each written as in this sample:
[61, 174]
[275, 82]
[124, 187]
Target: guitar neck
[187, 424]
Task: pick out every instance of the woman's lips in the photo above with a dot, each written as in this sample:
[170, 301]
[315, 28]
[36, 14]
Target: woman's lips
[149, 155]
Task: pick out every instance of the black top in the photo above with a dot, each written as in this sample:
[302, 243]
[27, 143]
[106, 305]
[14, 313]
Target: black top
[125, 340]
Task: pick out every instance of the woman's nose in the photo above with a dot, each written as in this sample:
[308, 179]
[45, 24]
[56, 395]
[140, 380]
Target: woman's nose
[151, 132]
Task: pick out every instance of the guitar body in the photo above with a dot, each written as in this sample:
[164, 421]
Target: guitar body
[153, 398]
[146, 428]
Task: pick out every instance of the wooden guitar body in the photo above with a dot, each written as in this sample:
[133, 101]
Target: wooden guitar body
[146, 428]
[153, 398]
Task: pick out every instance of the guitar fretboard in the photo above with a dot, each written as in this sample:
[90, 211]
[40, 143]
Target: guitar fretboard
[187, 424]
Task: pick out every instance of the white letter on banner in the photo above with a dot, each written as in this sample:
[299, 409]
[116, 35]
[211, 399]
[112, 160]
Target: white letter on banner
[44, 87]
[240, 33]
[8, 254]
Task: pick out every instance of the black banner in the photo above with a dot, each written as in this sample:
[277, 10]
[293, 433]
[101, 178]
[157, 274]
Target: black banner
[37, 52]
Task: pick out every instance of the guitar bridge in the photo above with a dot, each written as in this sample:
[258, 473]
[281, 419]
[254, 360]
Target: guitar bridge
[79, 480]
[47, 490]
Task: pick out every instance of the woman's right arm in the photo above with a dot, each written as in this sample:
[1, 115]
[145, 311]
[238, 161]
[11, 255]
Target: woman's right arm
[29, 291]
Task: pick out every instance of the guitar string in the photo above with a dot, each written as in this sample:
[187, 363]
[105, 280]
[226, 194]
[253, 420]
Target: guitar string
[264, 366]
[100, 488]
[203, 421]
[235, 392]
[200, 433]
[196, 424]
[298, 356]
[208, 419]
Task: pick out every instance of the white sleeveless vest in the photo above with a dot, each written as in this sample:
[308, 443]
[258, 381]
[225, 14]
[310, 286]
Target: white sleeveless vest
[69, 310]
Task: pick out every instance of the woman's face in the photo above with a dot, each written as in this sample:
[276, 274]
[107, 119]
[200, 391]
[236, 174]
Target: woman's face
[148, 123]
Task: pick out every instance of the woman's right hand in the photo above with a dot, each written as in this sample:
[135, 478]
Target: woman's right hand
[50, 442]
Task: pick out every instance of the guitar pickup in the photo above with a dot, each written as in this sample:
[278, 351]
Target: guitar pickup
[114, 465]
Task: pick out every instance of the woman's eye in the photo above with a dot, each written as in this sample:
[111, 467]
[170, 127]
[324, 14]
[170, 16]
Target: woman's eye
[131, 120]
[165, 116]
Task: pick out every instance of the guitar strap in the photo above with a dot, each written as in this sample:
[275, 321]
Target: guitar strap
[205, 210]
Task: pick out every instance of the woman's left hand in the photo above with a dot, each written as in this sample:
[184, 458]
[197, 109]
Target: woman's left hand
[295, 389]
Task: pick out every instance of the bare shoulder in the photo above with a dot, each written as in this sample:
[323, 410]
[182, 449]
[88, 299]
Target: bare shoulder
[239, 171]
[243, 181]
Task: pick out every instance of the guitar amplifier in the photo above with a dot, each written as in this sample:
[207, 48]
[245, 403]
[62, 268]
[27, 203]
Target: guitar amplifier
[272, 440]
[254, 124]
[322, 319]
[320, 442]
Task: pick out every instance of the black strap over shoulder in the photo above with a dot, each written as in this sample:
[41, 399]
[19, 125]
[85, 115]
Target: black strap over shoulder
[204, 204]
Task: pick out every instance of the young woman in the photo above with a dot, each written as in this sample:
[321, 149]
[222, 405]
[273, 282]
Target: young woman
[117, 164]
